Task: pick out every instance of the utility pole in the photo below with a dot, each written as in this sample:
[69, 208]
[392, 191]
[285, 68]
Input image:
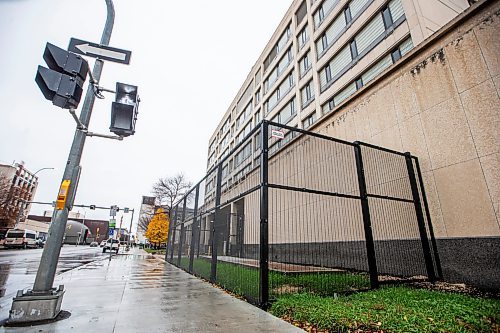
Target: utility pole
[44, 299]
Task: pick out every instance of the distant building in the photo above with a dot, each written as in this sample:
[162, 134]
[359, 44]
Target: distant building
[148, 208]
[97, 229]
[17, 186]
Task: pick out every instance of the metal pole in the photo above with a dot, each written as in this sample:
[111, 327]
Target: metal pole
[130, 229]
[367, 224]
[50, 256]
[181, 238]
[420, 219]
[437, 261]
[264, 215]
[213, 267]
[194, 230]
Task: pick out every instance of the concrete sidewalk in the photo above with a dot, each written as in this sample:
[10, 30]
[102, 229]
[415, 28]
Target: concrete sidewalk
[136, 292]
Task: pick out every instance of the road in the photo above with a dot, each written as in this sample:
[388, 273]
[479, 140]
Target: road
[18, 267]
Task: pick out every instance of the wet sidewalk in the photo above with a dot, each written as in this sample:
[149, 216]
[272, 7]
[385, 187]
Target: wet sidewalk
[136, 292]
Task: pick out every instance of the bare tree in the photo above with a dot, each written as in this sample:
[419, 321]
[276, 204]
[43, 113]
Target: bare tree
[169, 190]
[144, 221]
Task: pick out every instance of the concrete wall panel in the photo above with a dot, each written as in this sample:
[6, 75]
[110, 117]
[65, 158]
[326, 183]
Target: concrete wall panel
[481, 108]
[465, 202]
[447, 134]
[466, 62]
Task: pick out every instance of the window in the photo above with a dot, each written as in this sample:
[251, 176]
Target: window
[304, 64]
[257, 97]
[369, 75]
[345, 93]
[279, 93]
[335, 67]
[258, 76]
[331, 34]
[244, 115]
[306, 123]
[303, 37]
[278, 70]
[356, 6]
[301, 12]
[287, 113]
[307, 94]
[243, 154]
[257, 117]
[396, 10]
[323, 11]
[225, 171]
[363, 42]
[369, 34]
[277, 48]
[256, 140]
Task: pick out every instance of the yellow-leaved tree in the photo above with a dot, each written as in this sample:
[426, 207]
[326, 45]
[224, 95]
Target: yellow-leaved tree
[157, 232]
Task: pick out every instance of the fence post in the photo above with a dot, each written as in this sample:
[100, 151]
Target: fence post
[429, 222]
[183, 231]
[264, 214]
[420, 218]
[370, 246]
[174, 225]
[194, 228]
[213, 268]
[169, 237]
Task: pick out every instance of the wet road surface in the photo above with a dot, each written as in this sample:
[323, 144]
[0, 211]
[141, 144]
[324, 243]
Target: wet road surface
[18, 267]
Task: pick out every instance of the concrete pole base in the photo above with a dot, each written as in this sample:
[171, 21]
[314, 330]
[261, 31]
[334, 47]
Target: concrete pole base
[35, 306]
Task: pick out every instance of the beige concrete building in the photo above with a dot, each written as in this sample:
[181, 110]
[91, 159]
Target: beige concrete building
[409, 75]
[17, 186]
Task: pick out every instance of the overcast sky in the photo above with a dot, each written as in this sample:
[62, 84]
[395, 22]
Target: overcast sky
[189, 59]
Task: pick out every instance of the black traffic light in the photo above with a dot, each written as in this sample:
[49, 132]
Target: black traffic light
[124, 110]
[62, 83]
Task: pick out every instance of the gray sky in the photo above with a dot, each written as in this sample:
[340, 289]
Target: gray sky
[189, 59]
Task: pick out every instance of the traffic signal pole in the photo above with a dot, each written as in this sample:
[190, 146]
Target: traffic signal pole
[43, 295]
[50, 256]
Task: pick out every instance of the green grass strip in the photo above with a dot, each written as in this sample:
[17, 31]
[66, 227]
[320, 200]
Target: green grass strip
[392, 309]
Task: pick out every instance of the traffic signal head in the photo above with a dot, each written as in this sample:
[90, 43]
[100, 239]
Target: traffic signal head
[62, 82]
[124, 110]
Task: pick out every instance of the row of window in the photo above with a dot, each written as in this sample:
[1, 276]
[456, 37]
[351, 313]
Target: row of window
[287, 113]
[368, 75]
[278, 47]
[365, 40]
[279, 93]
[278, 70]
[340, 24]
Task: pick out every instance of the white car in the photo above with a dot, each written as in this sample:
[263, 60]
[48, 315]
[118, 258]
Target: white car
[111, 246]
[102, 243]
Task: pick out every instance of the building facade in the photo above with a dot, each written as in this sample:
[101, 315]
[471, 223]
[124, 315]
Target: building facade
[148, 208]
[17, 186]
[407, 75]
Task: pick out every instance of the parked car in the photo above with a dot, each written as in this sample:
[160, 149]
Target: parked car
[20, 238]
[94, 244]
[111, 246]
[102, 243]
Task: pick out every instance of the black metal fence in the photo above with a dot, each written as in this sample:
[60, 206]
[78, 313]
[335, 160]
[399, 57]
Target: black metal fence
[287, 211]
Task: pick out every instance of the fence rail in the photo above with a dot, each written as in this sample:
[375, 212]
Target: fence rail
[305, 213]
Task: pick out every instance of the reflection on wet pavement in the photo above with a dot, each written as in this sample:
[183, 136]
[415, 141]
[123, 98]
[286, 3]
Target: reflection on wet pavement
[18, 268]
